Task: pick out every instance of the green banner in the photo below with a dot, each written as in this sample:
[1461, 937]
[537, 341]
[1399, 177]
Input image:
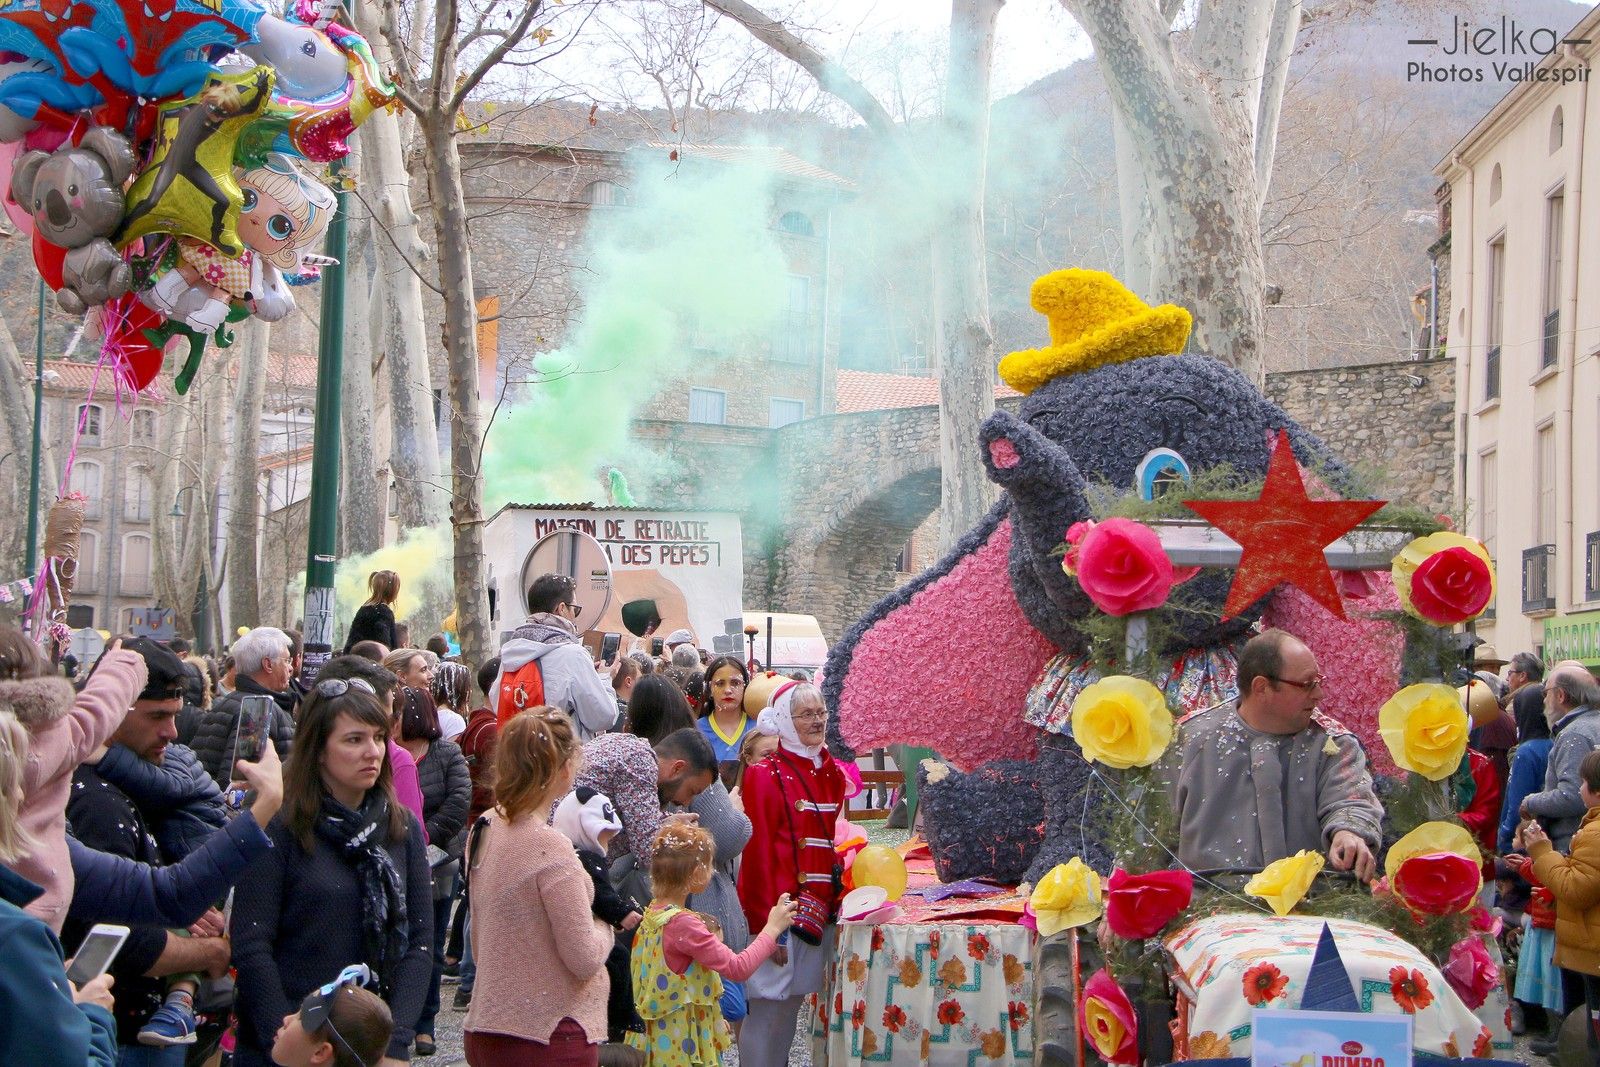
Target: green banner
[1575, 636]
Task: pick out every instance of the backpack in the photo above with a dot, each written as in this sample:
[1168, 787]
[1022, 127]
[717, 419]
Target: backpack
[519, 690]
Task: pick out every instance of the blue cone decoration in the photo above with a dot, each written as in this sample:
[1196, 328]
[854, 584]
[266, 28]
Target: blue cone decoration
[1328, 985]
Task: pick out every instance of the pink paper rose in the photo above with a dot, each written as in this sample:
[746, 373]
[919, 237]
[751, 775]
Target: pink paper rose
[1123, 568]
[1471, 972]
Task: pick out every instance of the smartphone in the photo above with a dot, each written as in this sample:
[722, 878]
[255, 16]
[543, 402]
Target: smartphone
[94, 956]
[656, 646]
[255, 712]
[609, 647]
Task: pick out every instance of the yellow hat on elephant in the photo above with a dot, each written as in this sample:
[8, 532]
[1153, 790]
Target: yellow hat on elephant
[1094, 321]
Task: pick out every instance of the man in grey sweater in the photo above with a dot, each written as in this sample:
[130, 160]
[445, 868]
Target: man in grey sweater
[1267, 776]
[1572, 705]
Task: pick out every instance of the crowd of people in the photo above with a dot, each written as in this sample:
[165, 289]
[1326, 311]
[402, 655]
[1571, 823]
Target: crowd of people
[300, 862]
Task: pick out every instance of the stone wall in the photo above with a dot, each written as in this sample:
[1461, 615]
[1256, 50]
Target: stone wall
[1395, 419]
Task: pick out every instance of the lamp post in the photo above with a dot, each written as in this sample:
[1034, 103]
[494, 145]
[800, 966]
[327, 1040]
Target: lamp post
[38, 425]
[323, 523]
[200, 610]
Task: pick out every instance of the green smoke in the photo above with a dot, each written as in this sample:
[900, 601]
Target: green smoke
[692, 255]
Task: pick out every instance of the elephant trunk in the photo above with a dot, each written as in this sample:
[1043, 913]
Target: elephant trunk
[1048, 494]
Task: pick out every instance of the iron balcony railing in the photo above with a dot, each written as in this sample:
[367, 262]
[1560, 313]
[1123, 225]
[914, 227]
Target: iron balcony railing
[1538, 568]
[1591, 566]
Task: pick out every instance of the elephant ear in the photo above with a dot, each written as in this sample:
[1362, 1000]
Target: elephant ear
[945, 662]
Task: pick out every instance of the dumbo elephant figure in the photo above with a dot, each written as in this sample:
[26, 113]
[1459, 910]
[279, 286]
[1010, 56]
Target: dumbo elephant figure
[979, 657]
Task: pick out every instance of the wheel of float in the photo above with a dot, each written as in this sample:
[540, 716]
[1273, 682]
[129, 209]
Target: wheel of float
[1055, 1004]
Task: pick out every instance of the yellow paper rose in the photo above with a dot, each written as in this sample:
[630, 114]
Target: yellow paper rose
[1427, 838]
[1068, 896]
[1444, 578]
[1425, 728]
[1122, 722]
[1284, 882]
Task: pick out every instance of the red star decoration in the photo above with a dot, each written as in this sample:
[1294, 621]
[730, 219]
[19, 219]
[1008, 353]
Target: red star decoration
[1283, 533]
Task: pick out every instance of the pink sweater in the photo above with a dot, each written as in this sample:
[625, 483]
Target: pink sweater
[64, 729]
[407, 784]
[540, 953]
[686, 940]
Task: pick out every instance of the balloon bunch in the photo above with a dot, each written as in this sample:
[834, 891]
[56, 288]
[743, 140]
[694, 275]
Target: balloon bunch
[164, 157]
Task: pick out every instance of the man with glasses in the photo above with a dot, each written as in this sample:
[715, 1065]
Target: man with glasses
[545, 663]
[1266, 776]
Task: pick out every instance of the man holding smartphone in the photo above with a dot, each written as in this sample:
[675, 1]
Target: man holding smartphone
[264, 664]
[104, 817]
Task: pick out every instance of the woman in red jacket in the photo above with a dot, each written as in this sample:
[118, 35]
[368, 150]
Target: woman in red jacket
[793, 798]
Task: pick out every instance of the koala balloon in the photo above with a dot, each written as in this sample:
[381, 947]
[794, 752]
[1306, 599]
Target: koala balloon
[75, 197]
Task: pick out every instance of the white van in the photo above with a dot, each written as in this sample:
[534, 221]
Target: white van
[797, 641]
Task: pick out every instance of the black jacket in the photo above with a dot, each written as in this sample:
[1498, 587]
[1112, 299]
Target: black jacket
[446, 784]
[373, 622]
[609, 905]
[103, 818]
[296, 924]
[219, 728]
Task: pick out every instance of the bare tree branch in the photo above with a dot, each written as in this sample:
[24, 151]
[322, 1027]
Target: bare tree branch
[828, 73]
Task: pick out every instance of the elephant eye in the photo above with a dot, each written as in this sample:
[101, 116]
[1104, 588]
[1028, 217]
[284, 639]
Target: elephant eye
[309, 48]
[72, 190]
[1160, 471]
[280, 227]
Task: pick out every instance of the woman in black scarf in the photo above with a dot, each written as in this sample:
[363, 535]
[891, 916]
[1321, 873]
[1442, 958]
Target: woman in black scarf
[346, 882]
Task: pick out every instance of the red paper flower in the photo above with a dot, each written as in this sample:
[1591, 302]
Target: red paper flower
[978, 947]
[950, 1012]
[1409, 989]
[1263, 984]
[1017, 1014]
[1139, 905]
[1106, 1019]
[1452, 585]
[1075, 535]
[894, 1017]
[1123, 568]
[1438, 883]
[1471, 972]
[858, 1014]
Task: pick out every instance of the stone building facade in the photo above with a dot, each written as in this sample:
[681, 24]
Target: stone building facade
[1394, 421]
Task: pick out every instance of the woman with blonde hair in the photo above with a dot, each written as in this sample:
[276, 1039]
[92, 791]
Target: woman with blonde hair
[374, 620]
[48, 1023]
[531, 900]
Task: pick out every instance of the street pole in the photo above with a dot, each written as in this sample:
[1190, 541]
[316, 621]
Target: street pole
[322, 529]
[38, 427]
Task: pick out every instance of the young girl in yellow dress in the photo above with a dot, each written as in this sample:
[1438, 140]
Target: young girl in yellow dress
[678, 964]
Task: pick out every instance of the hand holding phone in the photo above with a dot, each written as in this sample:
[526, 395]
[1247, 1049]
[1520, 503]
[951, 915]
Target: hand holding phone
[608, 647]
[94, 956]
[255, 712]
[97, 991]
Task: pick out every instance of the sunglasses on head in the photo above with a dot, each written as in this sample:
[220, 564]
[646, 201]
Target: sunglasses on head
[316, 1011]
[338, 687]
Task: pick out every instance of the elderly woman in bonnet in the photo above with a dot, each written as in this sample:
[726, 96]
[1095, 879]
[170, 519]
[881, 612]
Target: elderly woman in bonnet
[793, 798]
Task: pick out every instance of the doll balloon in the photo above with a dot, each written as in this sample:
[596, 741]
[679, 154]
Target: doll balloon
[284, 210]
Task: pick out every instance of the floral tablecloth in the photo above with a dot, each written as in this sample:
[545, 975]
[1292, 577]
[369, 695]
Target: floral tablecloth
[945, 994]
[1226, 965]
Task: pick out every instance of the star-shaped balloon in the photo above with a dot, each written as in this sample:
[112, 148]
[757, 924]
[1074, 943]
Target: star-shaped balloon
[1282, 534]
[188, 189]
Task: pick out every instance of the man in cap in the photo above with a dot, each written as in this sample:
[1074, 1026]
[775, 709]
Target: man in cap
[105, 818]
[680, 637]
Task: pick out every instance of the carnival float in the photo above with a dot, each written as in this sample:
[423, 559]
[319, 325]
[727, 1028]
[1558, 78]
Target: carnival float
[1158, 510]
